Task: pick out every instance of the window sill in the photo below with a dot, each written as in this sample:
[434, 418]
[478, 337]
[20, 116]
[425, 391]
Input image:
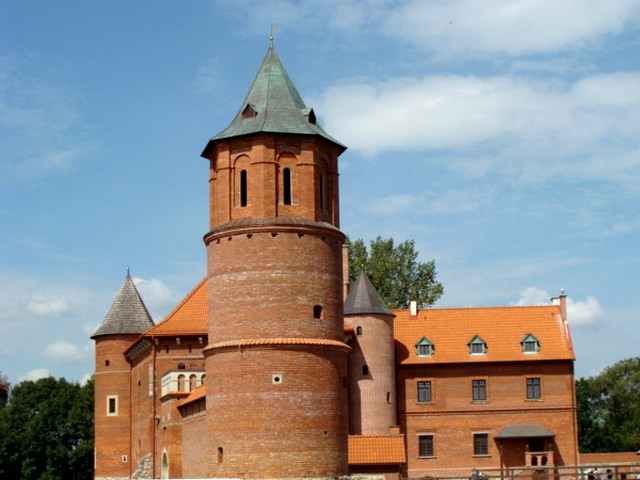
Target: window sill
[430, 402]
[433, 457]
[479, 401]
[484, 455]
[534, 400]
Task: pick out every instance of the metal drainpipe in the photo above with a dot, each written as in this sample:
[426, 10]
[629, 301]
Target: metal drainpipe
[153, 399]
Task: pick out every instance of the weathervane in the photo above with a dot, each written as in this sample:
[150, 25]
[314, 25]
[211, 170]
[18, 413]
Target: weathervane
[273, 27]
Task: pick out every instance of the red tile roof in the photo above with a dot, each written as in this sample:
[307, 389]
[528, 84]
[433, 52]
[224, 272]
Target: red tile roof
[197, 394]
[502, 329]
[376, 449]
[189, 317]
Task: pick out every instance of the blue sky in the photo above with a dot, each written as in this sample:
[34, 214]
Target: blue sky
[503, 136]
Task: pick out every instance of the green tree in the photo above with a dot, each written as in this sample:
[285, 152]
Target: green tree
[609, 409]
[46, 431]
[5, 388]
[395, 272]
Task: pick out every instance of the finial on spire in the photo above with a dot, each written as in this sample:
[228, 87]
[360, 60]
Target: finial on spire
[273, 27]
[128, 274]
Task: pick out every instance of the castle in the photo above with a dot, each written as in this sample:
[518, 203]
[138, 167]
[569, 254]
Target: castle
[273, 366]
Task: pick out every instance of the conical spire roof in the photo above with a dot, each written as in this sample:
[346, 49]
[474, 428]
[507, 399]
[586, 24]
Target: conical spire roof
[128, 313]
[273, 105]
[364, 298]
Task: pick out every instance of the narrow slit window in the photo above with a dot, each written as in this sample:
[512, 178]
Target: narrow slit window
[365, 370]
[317, 311]
[243, 188]
[112, 406]
[286, 186]
[322, 193]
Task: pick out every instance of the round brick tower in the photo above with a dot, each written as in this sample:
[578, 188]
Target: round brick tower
[125, 321]
[276, 362]
[372, 372]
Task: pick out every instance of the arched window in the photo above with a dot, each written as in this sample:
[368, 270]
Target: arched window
[243, 188]
[181, 379]
[164, 468]
[220, 454]
[358, 330]
[192, 383]
[286, 186]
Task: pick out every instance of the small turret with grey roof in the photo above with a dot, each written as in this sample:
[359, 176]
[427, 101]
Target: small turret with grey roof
[371, 362]
[128, 313]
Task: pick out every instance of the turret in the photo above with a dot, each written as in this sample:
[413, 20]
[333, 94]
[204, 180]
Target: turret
[126, 320]
[372, 382]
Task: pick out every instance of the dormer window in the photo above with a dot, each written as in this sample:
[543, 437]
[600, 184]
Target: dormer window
[249, 112]
[530, 344]
[310, 115]
[477, 346]
[424, 348]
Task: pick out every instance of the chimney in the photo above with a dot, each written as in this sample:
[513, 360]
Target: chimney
[413, 307]
[562, 302]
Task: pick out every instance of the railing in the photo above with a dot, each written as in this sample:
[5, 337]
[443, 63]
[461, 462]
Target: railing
[613, 471]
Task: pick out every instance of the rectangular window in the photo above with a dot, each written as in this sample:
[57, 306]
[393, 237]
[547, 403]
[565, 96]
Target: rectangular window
[481, 444]
[424, 391]
[112, 405]
[425, 446]
[479, 389]
[533, 388]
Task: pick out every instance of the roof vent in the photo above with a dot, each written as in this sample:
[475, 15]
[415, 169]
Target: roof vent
[249, 111]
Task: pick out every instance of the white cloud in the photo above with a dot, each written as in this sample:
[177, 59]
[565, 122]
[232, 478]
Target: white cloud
[508, 27]
[48, 305]
[579, 312]
[66, 352]
[33, 375]
[584, 312]
[157, 296]
[533, 296]
[528, 129]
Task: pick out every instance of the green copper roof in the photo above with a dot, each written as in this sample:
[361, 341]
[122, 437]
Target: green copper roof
[273, 105]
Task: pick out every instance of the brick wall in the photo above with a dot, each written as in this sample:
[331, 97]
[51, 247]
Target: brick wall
[453, 418]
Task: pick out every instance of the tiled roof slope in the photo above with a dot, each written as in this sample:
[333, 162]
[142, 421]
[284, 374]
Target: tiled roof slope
[128, 313]
[502, 329]
[272, 105]
[189, 317]
[364, 298]
[376, 449]
[195, 395]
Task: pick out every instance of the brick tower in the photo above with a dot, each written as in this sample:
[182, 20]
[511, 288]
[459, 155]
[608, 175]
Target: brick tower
[372, 373]
[276, 361]
[125, 321]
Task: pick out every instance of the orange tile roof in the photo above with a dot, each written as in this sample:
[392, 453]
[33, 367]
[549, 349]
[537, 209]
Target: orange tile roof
[189, 317]
[376, 449]
[197, 394]
[502, 328]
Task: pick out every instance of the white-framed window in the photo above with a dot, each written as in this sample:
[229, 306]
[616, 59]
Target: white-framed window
[112, 405]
